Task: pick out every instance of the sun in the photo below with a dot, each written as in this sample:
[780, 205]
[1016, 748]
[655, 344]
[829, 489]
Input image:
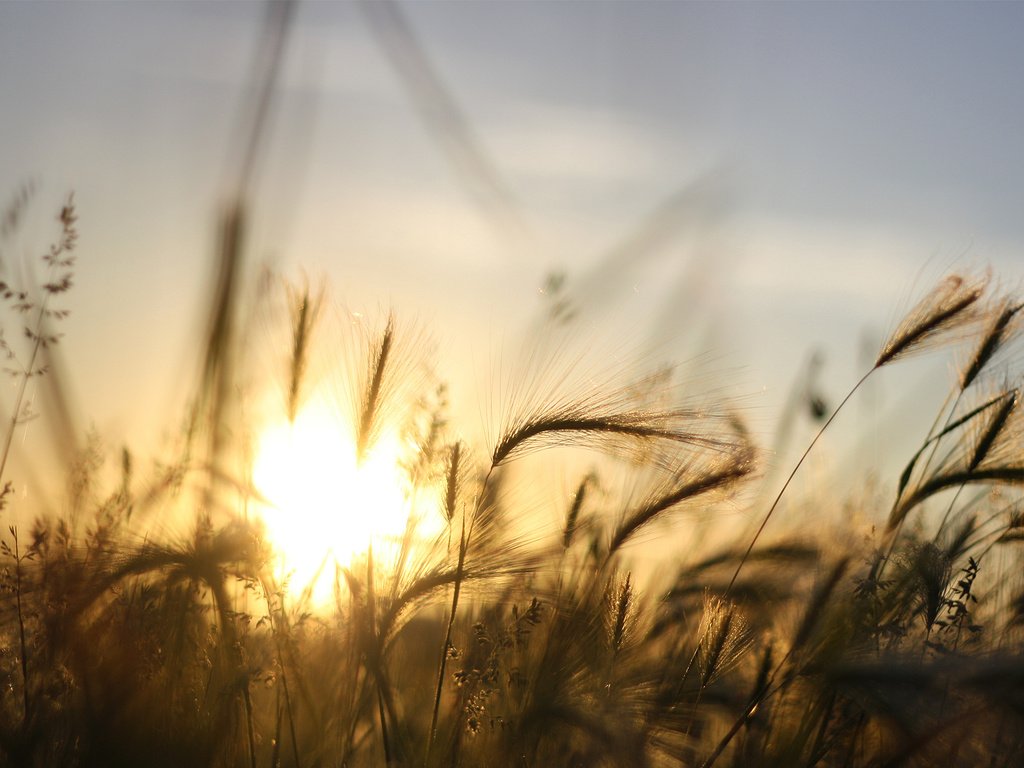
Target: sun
[322, 506]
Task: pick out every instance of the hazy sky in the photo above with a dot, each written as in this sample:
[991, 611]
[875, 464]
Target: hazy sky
[752, 180]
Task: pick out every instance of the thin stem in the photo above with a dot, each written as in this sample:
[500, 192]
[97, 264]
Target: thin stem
[447, 639]
[789, 479]
[23, 385]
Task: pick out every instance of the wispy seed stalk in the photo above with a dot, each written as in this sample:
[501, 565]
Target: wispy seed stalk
[452, 487]
[621, 613]
[705, 483]
[944, 307]
[995, 426]
[371, 403]
[305, 311]
[950, 302]
[572, 518]
[1008, 475]
[629, 425]
[717, 646]
[990, 344]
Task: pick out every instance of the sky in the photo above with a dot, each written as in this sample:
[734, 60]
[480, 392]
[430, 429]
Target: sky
[741, 183]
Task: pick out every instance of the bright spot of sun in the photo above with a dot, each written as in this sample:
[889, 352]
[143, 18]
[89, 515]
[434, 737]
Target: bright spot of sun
[323, 506]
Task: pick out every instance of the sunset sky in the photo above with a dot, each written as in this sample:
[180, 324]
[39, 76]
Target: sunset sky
[746, 180]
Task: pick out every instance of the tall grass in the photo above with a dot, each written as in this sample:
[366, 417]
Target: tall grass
[487, 643]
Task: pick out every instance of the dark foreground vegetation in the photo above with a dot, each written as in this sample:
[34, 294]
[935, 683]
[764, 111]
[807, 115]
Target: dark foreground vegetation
[128, 643]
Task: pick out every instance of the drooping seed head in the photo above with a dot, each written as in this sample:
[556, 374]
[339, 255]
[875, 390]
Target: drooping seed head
[948, 306]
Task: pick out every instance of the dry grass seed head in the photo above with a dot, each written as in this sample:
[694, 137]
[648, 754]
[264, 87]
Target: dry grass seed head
[948, 306]
[994, 455]
[1000, 423]
[607, 424]
[565, 402]
[1004, 325]
[930, 569]
[451, 496]
[703, 475]
[723, 637]
[368, 419]
[573, 516]
[305, 307]
[622, 606]
[383, 372]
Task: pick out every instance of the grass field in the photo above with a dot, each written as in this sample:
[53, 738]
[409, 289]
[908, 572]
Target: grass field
[461, 637]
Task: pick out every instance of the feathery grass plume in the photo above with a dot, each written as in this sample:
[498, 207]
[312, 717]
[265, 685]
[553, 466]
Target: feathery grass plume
[597, 424]
[451, 495]
[930, 570]
[997, 423]
[1000, 329]
[997, 474]
[305, 308]
[562, 405]
[1003, 326]
[995, 458]
[947, 307]
[369, 417]
[382, 373]
[984, 441]
[573, 516]
[723, 638]
[933, 439]
[796, 552]
[623, 603]
[693, 479]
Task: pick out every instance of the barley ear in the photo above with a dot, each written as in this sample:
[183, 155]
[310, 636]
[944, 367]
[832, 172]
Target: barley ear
[947, 306]
[713, 654]
[451, 496]
[573, 516]
[933, 439]
[623, 601]
[996, 335]
[370, 409]
[305, 309]
[720, 476]
[994, 428]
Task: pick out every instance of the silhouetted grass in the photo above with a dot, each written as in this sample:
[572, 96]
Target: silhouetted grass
[485, 643]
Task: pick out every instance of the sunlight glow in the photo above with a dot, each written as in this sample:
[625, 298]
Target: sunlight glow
[324, 507]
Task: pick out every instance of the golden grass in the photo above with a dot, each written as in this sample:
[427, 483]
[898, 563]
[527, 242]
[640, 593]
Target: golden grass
[124, 644]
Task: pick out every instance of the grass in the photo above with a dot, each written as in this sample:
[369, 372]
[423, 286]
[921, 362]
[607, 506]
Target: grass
[487, 644]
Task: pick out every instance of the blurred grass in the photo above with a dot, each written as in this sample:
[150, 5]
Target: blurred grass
[122, 643]
[126, 640]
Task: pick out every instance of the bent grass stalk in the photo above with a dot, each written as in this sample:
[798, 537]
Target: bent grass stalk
[1002, 329]
[611, 674]
[947, 306]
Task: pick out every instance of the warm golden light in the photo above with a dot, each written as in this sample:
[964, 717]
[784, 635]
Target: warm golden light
[324, 507]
